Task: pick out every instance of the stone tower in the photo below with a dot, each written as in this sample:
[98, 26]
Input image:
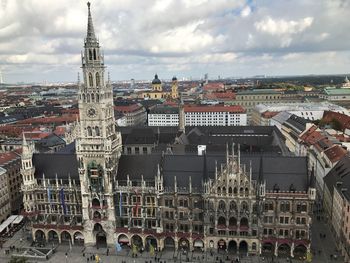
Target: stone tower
[27, 172]
[98, 145]
[174, 88]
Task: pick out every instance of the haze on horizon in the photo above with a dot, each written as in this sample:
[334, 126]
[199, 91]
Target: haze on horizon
[42, 40]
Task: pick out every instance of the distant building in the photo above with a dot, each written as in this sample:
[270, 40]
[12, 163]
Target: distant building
[336, 94]
[158, 92]
[263, 112]
[135, 114]
[198, 115]
[5, 205]
[11, 162]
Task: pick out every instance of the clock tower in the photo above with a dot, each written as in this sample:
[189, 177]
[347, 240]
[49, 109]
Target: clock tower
[98, 145]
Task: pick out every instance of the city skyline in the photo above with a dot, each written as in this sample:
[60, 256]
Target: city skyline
[42, 40]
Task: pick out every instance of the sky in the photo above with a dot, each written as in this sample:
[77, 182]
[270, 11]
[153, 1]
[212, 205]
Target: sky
[41, 40]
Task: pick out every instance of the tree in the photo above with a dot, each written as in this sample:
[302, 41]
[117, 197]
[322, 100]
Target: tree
[18, 260]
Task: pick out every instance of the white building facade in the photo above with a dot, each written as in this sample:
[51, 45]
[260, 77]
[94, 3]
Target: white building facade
[199, 116]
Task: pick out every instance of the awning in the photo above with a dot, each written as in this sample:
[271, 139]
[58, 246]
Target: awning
[123, 239]
[18, 220]
[7, 223]
[198, 243]
[79, 236]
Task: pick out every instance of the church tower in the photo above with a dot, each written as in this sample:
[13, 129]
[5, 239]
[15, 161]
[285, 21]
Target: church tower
[174, 88]
[98, 144]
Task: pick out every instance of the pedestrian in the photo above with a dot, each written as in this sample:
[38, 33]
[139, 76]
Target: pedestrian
[107, 251]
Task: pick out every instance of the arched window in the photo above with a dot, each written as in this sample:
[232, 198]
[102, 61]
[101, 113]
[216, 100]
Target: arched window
[222, 221]
[219, 190]
[244, 206]
[89, 130]
[88, 97]
[235, 191]
[253, 246]
[222, 205]
[91, 82]
[97, 79]
[246, 191]
[230, 190]
[224, 190]
[84, 98]
[97, 131]
[233, 206]
[97, 98]
[94, 54]
[92, 97]
[90, 54]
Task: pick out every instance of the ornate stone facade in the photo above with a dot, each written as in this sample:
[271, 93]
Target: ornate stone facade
[166, 201]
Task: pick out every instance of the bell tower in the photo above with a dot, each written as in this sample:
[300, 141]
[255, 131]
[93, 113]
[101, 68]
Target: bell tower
[98, 144]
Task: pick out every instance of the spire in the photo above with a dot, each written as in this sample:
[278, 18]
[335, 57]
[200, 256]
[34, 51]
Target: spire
[24, 142]
[312, 178]
[261, 171]
[90, 36]
[205, 168]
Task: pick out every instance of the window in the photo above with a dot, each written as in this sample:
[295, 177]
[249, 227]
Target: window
[91, 82]
[97, 79]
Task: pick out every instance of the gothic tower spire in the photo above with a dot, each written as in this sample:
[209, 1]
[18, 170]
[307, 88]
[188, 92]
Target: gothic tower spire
[90, 36]
[98, 144]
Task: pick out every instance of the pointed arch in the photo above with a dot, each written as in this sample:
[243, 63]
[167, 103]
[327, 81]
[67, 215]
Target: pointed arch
[95, 54]
[92, 97]
[97, 131]
[91, 80]
[89, 130]
[90, 54]
[88, 97]
[97, 79]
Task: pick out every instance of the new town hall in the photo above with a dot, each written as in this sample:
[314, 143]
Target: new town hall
[235, 189]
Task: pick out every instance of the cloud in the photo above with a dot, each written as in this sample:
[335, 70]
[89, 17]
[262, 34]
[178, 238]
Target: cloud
[175, 37]
[283, 27]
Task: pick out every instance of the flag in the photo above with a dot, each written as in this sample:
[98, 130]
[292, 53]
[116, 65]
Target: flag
[309, 257]
[118, 247]
[151, 249]
[64, 207]
[134, 249]
[120, 204]
[136, 207]
[49, 194]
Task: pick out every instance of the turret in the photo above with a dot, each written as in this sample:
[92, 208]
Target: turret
[27, 169]
[182, 120]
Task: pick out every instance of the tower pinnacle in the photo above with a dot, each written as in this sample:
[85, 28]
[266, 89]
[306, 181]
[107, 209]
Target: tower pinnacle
[90, 36]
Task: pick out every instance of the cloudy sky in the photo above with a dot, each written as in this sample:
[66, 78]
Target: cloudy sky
[42, 39]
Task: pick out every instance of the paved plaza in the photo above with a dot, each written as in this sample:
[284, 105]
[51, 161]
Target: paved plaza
[324, 250]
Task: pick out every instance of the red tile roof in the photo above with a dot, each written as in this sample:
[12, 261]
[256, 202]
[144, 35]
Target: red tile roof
[199, 108]
[220, 96]
[128, 108]
[343, 119]
[7, 157]
[213, 86]
[335, 153]
[269, 114]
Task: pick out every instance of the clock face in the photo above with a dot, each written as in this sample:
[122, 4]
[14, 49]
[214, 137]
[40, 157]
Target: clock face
[91, 112]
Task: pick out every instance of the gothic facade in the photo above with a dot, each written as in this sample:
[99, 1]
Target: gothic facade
[98, 197]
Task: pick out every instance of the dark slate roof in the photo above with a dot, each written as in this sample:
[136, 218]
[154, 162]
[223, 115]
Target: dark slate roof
[140, 136]
[339, 173]
[164, 110]
[297, 123]
[55, 163]
[280, 170]
[137, 165]
[69, 148]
